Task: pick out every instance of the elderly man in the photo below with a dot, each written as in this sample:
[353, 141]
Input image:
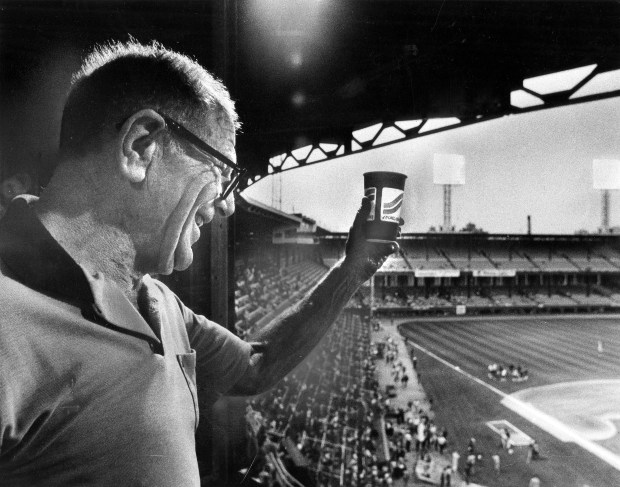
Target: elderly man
[98, 360]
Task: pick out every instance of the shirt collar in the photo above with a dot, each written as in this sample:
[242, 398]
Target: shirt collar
[37, 260]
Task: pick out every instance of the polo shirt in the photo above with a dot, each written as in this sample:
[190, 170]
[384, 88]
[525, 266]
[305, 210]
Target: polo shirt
[92, 391]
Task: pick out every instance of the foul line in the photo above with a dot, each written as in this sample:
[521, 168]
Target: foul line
[544, 421]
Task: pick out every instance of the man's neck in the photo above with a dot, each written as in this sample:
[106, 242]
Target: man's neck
[96, 246]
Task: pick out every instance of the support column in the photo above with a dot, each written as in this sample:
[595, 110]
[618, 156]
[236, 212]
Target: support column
[221, 431]
[372, 296]
[447, 207]
[220, 273]
[605, 211]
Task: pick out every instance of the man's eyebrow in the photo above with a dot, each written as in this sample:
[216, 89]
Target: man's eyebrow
[211, 158]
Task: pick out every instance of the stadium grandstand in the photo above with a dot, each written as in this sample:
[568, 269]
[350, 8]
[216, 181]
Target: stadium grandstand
[450, 273]
[337, 419]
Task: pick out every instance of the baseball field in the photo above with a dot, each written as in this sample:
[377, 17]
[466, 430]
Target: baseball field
[570, 403]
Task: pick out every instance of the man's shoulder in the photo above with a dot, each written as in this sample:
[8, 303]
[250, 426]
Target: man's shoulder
[18, 304]
[10, 288]
[17, 297]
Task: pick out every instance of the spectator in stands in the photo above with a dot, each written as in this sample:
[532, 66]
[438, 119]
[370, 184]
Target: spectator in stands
[420, 439]
[496, 463]
[442, 441]
[534, 482]
[408, 441]
[432, 435]
[426, 465]
[398, 468]
[406, 475]
[471, 446]
[469, 466]
[455, 460]
[445, 480]
[147, 156]
[265, 476]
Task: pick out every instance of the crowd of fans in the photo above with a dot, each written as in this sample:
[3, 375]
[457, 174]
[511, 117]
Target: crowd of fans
[330, 417]
[329, 409]
[329, 420]
[410, 431]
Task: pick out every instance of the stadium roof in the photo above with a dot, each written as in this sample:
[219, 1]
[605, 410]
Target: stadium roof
[307, 74]
[258, 208]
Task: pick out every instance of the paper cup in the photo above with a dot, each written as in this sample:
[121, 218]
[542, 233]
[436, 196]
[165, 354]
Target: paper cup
[386, 191]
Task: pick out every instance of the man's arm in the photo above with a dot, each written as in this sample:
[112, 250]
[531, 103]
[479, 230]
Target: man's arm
[285, 342]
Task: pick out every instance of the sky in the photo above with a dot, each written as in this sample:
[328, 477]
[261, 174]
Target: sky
[537, 163]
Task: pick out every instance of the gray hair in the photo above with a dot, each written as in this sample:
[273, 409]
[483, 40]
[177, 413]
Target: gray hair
[117, 79]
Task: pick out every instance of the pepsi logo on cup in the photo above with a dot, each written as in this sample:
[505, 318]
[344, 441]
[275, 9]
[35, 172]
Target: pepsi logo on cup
[385, 190]
[391, 203]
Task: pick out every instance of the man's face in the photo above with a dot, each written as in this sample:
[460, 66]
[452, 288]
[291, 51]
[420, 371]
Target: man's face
[183, 190]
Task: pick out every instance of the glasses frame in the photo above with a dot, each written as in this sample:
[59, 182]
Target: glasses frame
[186, 134]
[237, 171]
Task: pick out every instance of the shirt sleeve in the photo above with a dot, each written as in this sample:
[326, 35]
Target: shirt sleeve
[222, 358]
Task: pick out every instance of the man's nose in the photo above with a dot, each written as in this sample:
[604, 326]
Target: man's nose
[225, 207]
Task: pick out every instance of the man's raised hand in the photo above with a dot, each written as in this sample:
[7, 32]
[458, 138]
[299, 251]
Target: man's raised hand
[362, 257]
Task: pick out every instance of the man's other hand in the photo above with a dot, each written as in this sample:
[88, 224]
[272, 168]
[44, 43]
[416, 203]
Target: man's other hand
[362, 257]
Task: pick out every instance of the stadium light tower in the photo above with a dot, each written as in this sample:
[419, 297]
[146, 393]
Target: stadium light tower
[605, 176]
[448, 171]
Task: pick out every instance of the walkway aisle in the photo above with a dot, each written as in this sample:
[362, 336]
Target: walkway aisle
[413, 392]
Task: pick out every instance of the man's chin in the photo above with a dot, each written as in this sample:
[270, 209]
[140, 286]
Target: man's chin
[182, 267]
[178, 261]
[183, 259]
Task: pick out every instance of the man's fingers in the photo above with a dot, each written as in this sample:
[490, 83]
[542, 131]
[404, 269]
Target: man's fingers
[362, 213]
[384, 249]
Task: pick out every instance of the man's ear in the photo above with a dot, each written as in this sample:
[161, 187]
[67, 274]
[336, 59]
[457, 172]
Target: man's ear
[138, 144]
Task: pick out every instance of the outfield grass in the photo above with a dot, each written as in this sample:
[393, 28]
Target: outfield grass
[554, 350]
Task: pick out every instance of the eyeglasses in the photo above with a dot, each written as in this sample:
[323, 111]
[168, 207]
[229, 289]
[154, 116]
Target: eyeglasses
[237, 172]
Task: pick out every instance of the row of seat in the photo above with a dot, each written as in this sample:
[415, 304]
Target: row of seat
[532, 260]
[263, 293]
[570, 297]
[325, 407]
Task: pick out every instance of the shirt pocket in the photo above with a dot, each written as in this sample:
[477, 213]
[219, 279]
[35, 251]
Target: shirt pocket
[187, 361]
